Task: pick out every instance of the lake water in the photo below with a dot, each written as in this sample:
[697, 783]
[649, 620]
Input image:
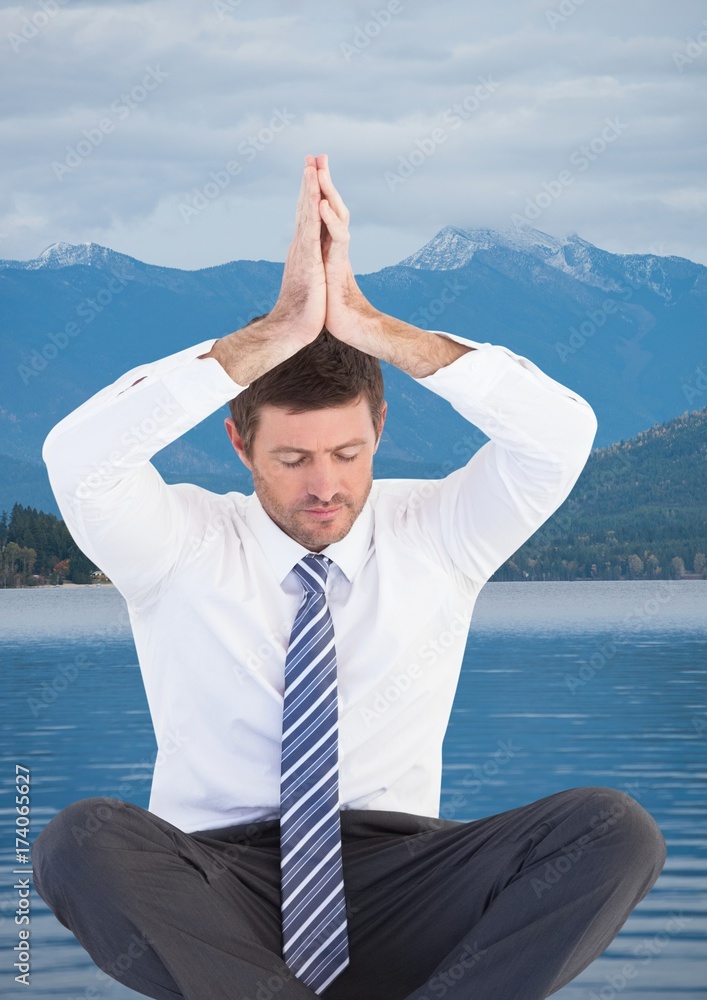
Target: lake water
[587, 683]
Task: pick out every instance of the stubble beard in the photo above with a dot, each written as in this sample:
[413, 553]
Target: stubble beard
[293, 521]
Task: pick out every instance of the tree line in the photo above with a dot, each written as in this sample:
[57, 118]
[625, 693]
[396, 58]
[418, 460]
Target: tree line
[36, 548]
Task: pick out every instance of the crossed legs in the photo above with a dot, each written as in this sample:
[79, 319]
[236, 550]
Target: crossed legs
[513, 905]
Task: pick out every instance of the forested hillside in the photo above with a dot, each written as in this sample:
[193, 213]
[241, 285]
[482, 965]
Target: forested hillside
[638, 511]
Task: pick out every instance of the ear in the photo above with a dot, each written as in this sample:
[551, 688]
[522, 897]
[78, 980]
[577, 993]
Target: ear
[384, 410]
[236, 441]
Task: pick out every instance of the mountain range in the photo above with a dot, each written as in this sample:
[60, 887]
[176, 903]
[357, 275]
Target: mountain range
[626, 331]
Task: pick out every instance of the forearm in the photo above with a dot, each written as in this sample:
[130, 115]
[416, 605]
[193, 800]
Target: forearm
[250, 352]
[417, 352]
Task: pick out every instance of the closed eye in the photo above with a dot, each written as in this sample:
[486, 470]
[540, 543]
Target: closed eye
[343, 458]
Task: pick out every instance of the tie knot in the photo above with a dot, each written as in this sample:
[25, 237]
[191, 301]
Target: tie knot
[312, 570]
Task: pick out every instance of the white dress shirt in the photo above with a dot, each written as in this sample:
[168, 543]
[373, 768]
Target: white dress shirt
[211, 593]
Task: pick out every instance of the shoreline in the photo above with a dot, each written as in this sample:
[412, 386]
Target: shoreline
[50, 586]
[686, 578]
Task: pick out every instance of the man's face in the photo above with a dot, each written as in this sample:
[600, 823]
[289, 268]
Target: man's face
[312, 471]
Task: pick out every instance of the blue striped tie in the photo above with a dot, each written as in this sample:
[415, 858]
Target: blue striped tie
[314, 934]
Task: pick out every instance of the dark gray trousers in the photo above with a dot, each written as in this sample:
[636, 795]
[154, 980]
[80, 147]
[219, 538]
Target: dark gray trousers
[508, 907]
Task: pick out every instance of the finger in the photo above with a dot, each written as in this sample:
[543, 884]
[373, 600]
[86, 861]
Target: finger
[302, 196]
[304, 191]
[328, 190]
[331, 194]
[338, 230]
[308, 219]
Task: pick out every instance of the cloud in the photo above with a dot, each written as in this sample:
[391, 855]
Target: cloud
[124, 115]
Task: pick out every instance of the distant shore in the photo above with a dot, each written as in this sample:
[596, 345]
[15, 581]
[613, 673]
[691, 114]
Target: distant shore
[688, 576]
[67, 583]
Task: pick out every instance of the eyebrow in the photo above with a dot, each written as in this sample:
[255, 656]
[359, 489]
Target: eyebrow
[304, 451]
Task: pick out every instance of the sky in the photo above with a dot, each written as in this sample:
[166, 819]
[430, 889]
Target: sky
[175, 130]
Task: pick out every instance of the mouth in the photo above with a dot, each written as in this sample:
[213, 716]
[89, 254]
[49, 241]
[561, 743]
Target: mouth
[322, 513]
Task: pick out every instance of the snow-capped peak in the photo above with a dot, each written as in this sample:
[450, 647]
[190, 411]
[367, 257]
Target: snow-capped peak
[62, 254]
[65, 254]
[454, 247]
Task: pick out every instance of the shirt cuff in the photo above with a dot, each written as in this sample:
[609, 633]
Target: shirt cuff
[471, 376]
[200, 385]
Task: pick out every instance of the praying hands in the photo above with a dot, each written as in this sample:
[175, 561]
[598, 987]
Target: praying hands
[318, 291]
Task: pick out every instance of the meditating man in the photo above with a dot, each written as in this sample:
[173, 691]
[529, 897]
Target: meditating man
[293, 844]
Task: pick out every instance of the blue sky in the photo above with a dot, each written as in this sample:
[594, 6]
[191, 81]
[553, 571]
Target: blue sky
[175, 130]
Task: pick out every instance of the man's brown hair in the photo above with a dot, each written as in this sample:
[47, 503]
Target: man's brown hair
[326, 372]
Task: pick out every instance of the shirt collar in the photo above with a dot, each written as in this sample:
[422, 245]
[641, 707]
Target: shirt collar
[282, 551]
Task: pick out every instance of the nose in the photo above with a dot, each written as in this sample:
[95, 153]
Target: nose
[322, 481]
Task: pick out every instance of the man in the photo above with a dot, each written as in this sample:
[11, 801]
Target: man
[300, 649]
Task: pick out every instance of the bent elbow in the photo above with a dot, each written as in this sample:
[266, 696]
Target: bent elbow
[49, 446]
[55, 453]
[592, 424]
[579, 434]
